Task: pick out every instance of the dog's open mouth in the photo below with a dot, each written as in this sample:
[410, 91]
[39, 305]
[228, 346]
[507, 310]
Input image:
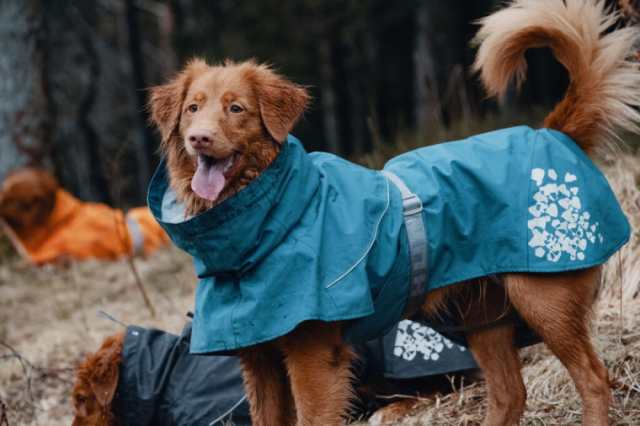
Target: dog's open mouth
[211, 175]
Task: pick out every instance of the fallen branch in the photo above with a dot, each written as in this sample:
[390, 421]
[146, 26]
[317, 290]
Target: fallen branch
[28, 366]
[138, 280]
[4, 418]
[28, 369]
[125, 237]
[126, 242]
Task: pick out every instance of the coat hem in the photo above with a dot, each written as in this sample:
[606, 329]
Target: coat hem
[198, 351]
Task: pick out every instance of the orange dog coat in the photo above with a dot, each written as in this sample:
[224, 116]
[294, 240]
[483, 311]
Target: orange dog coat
[82, 230]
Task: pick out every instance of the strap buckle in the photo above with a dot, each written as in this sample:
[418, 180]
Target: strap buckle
[411, 204]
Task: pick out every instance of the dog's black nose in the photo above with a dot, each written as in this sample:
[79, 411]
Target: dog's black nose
[200, 138]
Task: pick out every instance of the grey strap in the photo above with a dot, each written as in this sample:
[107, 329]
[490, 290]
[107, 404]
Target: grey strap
[137, 238]
[412, 209]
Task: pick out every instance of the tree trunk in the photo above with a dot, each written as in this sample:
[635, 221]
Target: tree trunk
[328, 95]
[145, 143]
[24, 130]
[427, 108]
[356, 91]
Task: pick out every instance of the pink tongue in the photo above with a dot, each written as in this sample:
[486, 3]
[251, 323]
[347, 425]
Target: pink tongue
[208, 181]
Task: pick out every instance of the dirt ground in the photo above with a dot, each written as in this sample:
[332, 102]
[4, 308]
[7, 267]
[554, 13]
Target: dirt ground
[49, 319]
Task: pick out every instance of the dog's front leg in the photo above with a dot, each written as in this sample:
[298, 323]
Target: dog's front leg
[319, 366]
[267, 386]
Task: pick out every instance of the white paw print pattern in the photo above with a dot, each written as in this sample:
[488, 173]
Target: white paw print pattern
[413, 338]
[558, 223]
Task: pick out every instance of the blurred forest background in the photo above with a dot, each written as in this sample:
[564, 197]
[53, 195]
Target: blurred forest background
[73, 76]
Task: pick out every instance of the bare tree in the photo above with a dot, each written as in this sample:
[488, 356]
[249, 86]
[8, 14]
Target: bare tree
[328, 97]
[146, 145]
[426, 101]
[24, 130]
[355, 89]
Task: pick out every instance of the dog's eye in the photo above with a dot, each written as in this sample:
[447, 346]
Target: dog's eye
[192, 108]
[235, 108]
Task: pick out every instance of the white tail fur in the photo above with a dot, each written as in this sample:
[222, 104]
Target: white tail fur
[604, 89]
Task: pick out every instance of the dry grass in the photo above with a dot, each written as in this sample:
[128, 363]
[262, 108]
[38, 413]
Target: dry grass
[49, 317]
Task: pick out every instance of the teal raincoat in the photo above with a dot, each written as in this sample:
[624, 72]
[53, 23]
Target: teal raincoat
[318, 237]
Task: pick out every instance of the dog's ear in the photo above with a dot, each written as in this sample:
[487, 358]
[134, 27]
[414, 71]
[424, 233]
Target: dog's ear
[105, 372]
[281, 101]
[47, 188]
[165, 101]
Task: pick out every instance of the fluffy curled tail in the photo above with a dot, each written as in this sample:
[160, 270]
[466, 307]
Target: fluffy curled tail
[604, 89]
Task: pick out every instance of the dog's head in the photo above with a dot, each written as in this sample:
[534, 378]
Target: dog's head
[27, 197]
[96, 383]
[222, 125]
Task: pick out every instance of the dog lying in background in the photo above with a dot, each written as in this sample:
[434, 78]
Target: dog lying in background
[51, 225]
[236, 192]
[147, 377]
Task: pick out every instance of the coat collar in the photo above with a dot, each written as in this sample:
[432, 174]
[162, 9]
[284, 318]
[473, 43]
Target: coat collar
[244, 228]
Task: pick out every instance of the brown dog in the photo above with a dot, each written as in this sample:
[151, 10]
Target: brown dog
[228, 121]
[48, 224]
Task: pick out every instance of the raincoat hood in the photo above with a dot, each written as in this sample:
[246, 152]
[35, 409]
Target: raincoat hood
[260, 204]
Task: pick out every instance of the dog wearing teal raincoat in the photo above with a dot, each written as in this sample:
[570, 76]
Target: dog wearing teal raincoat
[315, 252]
[324, 239]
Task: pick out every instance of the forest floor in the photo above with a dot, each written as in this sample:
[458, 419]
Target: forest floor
[49, 316]
[48, 320]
